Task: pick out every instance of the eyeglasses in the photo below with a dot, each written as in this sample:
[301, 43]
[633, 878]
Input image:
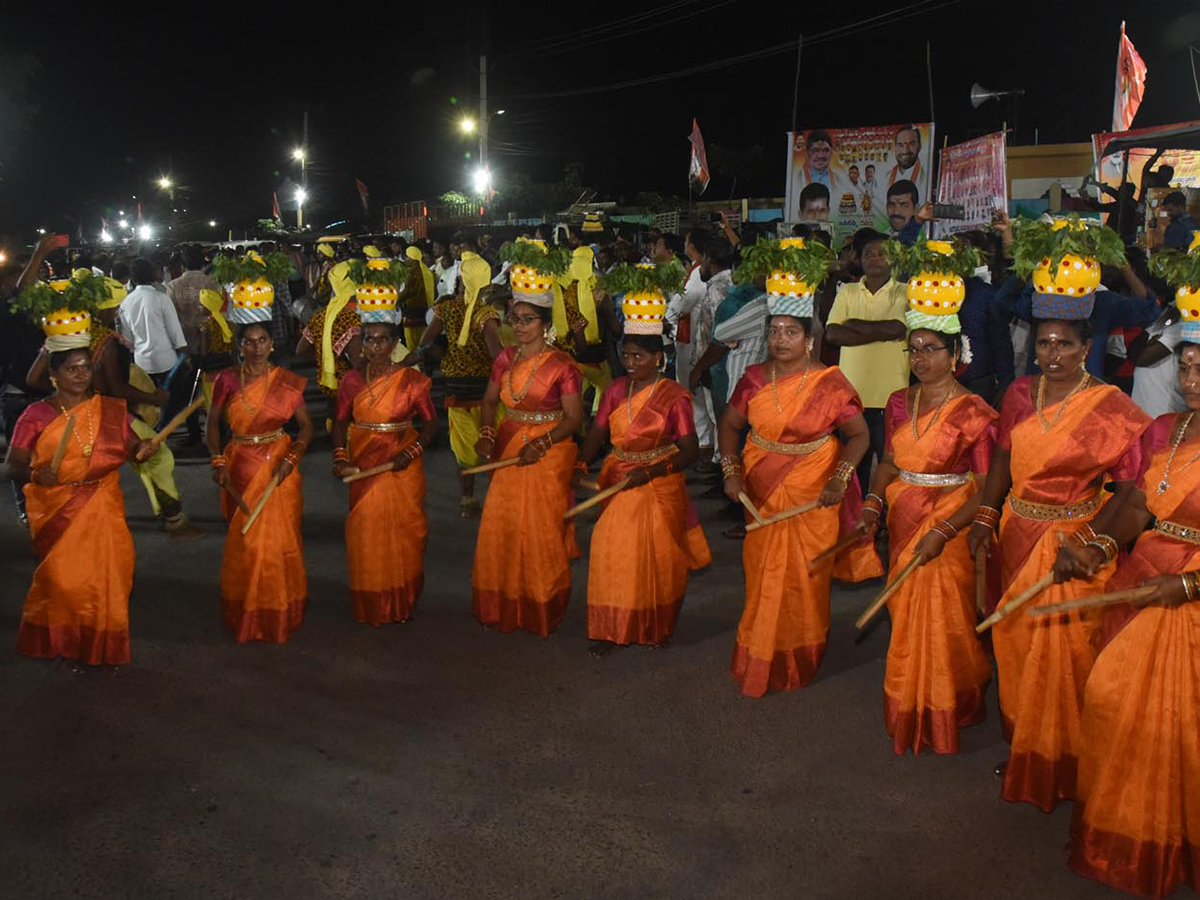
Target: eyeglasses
[926, 351]
[513, 319]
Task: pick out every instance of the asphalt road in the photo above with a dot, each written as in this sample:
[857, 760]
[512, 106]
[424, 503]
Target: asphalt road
[437, 760]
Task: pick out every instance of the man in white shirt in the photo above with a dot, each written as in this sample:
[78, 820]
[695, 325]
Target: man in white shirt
[1156, 378]
[148, 320]
[445, 269]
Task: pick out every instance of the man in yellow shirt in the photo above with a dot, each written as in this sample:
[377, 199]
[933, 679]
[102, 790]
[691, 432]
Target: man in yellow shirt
[867, 323]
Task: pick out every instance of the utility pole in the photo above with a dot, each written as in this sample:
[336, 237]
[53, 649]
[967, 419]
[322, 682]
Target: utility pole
[483, 116]
[303, 174]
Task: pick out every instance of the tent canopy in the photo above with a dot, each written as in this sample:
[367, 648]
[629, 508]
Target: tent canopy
[1180, 136]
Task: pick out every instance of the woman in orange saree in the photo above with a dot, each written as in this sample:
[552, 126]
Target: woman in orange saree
[1062, 435]
[264, 587]
[648, 536]
[793, 405]
[521, 578]
[939, 445]
[386, 528]
[1136, 826]
[78, 604]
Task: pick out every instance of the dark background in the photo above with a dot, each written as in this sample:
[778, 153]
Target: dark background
[96, 103]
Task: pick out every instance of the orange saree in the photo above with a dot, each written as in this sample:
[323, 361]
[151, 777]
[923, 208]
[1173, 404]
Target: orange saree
[264, 587]
[386, 528]
[648, 537]
[521, 577]
[1043, 664]
[781, 635]
[936, 671]
[78, 604]
[1137, 825]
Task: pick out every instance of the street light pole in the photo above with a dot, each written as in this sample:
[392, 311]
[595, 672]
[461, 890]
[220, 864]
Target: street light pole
[303, 173]
[483, 113]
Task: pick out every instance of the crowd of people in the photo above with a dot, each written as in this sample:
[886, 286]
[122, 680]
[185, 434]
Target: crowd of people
[898, 405]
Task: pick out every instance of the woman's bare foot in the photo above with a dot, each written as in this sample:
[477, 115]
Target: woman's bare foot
[602, 648]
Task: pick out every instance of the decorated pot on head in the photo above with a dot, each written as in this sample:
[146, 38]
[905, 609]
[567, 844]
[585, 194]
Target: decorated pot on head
[937, 284]
[249, 281]
[64, 308]
[1063, 257]
[378, 282]
[793, 268]
[592, 224]
[644, 287]
[1181, 270]
[535, 269]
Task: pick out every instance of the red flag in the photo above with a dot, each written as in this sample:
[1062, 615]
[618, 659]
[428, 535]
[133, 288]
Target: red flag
[363, 194]
[1131, 84]
[698, 169]
[278, 216]
[139, 213]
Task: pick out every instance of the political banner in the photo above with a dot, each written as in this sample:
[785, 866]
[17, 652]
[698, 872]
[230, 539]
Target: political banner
[1108, 169]
[842, 175]
[972, 175]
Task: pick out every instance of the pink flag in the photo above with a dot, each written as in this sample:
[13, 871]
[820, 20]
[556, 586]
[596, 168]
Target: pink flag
[698, 168]
[275, 207]
[363, 193]
[1131, 84]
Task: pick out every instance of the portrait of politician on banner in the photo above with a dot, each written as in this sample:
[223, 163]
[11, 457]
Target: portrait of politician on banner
[842, 175]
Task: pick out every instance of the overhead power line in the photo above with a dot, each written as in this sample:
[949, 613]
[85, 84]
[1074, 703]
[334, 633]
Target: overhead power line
[616, 25]
[887, 18]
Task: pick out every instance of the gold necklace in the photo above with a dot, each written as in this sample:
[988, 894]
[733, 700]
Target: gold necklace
[775, 385]
[369, 379]
[91, 440]
[1041, 399]
[916, 411]
[629, 396]
[245, 401]
[517, 398]
[1165, 483]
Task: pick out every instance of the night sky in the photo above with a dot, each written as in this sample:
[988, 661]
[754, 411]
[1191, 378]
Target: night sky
[117, 99]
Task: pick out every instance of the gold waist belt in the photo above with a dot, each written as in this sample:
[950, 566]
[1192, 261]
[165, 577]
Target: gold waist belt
[645, 456]
[1177, 531]
[935, 479]
[1048, 512]
[534, 418]
[80, 483]
[382, 426]
[790, 449]
[258, 438]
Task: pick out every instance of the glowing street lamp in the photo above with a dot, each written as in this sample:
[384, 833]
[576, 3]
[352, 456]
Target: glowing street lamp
[144, 232]
[212, 223]
[467, 125]
[105, 237]
[165, 183]
[124, 223]
[481, 179]
[298, 154]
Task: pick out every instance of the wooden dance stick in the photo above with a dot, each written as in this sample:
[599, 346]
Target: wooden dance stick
[745, 500]
[786, 514]
[589, 484]
[488, 467]
[262, 501]
[1016, 603]
[599, 498]
[367, 473]
[882, 599]
[237, 498]
[179, 419]
[61, 450]
[852, 538]
[980, 580]
[1129, 595]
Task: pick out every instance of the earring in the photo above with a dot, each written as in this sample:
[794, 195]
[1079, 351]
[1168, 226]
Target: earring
[808, 346]
[54, 382]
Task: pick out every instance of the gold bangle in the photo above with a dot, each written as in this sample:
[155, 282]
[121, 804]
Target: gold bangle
[843, 472]
[945, 523]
